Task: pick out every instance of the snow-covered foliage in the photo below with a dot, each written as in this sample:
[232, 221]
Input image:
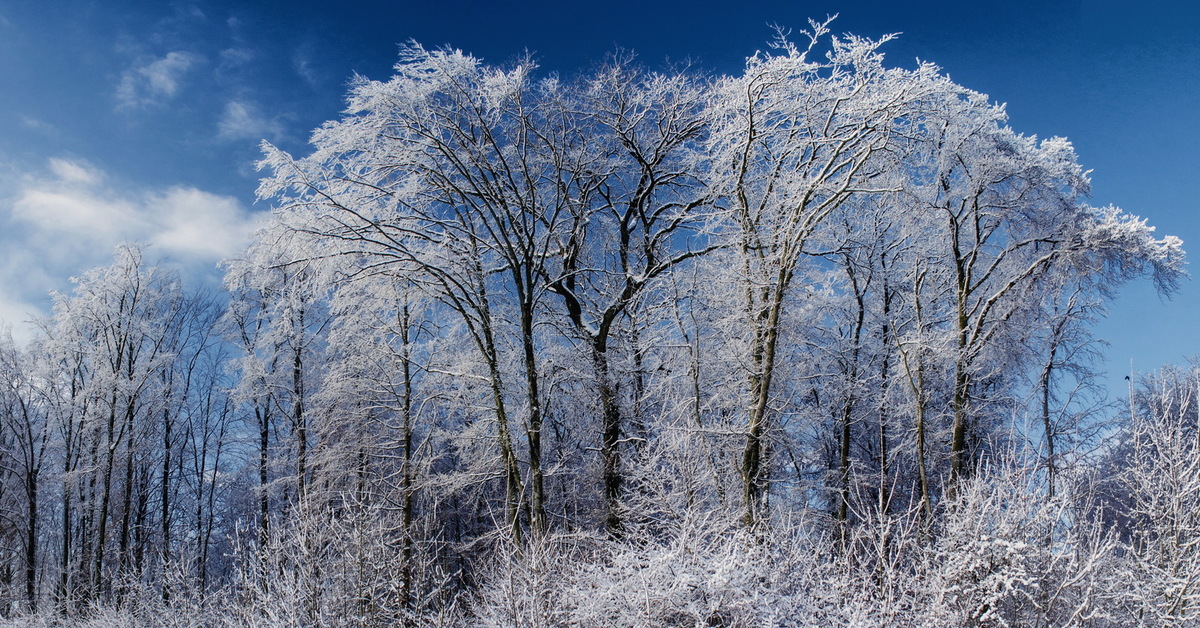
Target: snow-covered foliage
[804, 346]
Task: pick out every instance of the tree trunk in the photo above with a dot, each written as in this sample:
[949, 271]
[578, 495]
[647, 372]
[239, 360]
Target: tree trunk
[300, 421]
[31, 540]
[487, 345]
[885, 497]
[262, 413]
[165, 502]
[537, 519]
[610, 436]
[124, 556]
[916, 383]
[843, 508]
[406, 487]
[754, 464]
[101, 513]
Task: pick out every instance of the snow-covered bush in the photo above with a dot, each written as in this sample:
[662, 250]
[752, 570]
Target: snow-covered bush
[1161, 481]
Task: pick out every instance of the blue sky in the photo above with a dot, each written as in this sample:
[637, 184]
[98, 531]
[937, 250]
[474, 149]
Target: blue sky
[134, 120]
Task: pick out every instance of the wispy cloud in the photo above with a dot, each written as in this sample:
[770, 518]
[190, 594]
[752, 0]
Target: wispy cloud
[75, 172]
[154, 82]
[235, 57]
[36, 124]
[243, 120]
[303, 66]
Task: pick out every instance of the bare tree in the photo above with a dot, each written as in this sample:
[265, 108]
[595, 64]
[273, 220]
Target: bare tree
[793, 140]
[634, 205]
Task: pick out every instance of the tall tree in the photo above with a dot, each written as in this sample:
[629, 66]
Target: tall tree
[448, 171]
[634, 202]
[26, 428]
[1002, 222]
[793, 140]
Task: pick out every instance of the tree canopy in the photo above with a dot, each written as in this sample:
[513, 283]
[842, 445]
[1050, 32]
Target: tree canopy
[632, 347]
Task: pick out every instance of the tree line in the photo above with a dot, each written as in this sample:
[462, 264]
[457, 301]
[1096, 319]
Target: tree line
[632, 348]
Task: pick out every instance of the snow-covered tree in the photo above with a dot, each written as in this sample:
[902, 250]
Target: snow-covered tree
[805, 345]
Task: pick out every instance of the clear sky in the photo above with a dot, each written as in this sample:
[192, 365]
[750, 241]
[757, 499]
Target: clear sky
[138, 120]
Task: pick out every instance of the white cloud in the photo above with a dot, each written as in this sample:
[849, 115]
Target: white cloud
[77, 206]
[71, 206]
[195, 224]
[17, 319]
[74, 213]
[74, 171]
[58, 223]
[155, 82]
[243, 121]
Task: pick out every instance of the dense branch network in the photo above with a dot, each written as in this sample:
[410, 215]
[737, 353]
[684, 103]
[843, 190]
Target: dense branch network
[511, 342]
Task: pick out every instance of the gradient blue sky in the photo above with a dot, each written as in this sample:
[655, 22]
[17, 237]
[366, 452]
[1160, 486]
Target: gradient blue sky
[135, 120]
